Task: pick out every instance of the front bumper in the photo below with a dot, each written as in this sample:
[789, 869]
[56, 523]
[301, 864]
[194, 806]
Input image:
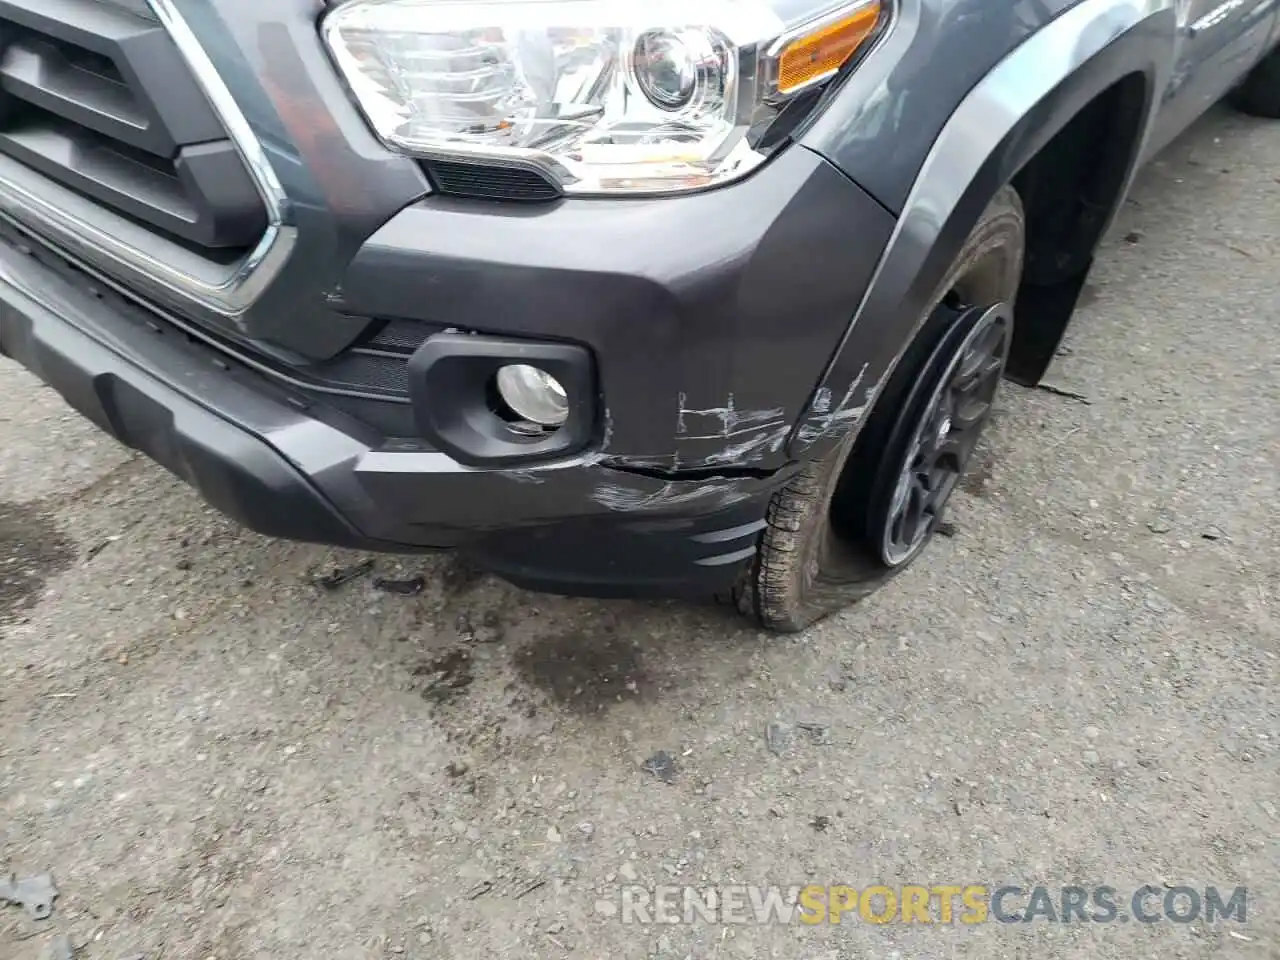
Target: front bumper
[706, 320]
[576, 526]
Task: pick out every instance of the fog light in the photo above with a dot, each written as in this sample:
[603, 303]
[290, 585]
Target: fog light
[533, 394]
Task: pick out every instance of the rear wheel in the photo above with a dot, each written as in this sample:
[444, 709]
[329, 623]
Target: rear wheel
[1259, 94]
[845, 525]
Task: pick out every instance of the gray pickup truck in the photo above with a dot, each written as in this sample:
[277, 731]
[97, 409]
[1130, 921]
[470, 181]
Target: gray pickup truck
[613, 297]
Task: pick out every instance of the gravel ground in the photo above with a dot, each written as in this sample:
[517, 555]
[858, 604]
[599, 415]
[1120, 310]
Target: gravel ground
[217, 759]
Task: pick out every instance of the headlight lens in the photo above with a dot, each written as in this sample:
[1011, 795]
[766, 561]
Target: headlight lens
[602, 96]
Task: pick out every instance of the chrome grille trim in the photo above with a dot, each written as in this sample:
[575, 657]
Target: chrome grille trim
[227, 291]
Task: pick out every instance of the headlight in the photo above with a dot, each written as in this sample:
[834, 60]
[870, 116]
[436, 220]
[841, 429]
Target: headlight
[601, 96]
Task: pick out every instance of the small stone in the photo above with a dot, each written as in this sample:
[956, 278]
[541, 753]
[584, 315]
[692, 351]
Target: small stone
[628, 871]
[553, 835]
[457, 768]
[777, 737]
[662, 765]
[556, 927]
[587, 829]
[1159, 525]
[1091, 733]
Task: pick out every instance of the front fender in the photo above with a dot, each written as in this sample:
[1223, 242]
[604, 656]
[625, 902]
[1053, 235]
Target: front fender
[998, 127]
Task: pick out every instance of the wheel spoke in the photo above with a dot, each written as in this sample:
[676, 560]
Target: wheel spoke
[945, 436]
[961, 443]
[966, 384]
[970, 414]
[915, 516]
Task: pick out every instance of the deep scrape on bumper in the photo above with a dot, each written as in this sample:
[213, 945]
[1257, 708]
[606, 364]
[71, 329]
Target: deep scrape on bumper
[579, 525]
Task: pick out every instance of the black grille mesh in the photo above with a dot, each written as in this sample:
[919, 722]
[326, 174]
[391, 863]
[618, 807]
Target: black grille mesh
[491, 183]
[379, 365]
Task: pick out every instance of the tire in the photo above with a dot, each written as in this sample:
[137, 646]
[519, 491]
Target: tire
[1259, 94]
[825, 542]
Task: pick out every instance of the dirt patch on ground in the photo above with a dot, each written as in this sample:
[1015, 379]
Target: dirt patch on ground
[586, 673]
[32, 549]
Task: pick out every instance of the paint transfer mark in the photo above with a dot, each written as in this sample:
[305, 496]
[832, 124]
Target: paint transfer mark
[746, 450]
[608, 429]
[732, 421]
[824, 420]
[1218, 15]
[670, 494]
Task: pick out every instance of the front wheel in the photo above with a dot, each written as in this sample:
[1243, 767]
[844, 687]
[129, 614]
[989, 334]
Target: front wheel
[845, 525]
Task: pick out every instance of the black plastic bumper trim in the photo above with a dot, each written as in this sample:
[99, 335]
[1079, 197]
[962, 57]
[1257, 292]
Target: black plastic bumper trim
[236, 472]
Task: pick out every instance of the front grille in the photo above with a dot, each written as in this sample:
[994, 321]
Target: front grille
[95, 96]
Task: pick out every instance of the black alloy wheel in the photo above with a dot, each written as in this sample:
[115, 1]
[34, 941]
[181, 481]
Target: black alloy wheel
[945, 434]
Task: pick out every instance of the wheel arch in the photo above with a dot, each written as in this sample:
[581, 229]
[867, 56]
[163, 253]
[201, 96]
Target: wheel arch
[1006, 121]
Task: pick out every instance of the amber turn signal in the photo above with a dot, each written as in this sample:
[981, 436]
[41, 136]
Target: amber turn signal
[818, 55]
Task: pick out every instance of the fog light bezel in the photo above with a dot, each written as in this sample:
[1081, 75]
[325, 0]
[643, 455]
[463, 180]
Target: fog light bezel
[451, 383]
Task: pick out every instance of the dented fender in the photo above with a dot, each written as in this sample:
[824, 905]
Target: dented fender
[1003, 121]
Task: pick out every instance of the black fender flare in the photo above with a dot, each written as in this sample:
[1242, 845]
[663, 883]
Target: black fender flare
[1000, 125]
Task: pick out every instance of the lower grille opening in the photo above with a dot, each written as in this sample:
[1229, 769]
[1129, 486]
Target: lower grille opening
[379, 363]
